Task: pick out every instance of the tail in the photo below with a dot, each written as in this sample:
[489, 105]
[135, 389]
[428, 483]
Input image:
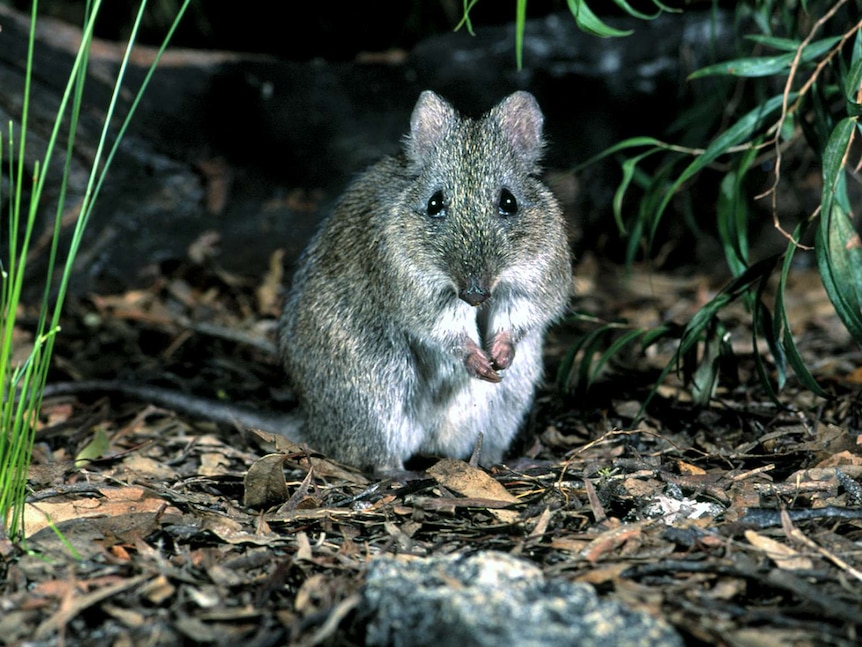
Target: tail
[228, 413]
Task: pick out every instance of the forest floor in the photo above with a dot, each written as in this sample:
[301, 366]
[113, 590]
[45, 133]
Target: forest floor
[739, 523]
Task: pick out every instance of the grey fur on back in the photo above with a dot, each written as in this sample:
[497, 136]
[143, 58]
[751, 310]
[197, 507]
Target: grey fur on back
[416, 319]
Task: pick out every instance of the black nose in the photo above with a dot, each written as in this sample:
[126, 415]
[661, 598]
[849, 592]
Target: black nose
[474, 294]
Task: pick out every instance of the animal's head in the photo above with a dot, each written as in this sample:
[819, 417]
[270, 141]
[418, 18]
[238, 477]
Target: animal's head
[476, 211]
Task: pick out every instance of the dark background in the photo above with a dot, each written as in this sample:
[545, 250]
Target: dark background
[302, 31]
[255, 131]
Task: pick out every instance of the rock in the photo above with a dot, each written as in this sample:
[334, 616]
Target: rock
[494, 599]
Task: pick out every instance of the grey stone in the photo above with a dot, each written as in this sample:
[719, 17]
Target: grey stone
[494, 599]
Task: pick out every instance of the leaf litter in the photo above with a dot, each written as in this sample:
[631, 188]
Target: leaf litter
[739, 523]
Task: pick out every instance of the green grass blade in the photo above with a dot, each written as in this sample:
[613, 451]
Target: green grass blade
[97, 178]
[761, 321]
[782, 325]
[742, 131]
[641, 15]
[589, 23]
[632, 142]
[77, 93]
[732, 214]
[629, 168]
[465, 18]
[520, 28]
[19, 415]
[577, 374]
[716, 347]
[763, 325]
[618, 344]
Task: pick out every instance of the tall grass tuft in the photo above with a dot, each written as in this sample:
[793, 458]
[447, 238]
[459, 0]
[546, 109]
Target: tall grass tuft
[23, 381]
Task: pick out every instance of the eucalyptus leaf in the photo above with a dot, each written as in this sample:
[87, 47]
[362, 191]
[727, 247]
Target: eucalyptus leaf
[775, 42]
[98, 447]
[833, 167]
[856, 53]
[839, 259]
[839, 252]
[766, 65]
[853, 88]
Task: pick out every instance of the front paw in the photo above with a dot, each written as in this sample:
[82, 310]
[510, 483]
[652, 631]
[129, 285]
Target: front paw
[480, 366]
[502, 351]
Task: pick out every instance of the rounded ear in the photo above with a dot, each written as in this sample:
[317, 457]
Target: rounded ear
[521, 121]
[431, 119]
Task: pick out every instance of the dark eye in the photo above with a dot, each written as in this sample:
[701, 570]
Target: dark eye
[508, 206]
[436, 205]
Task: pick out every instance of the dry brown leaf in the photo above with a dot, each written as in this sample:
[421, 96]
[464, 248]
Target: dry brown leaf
[474, 483]
[235, 532]
[146, 468]
[612, 539]
[854, 376]
[311, 591]
[213, 464]
[54, 589]
[783, 555]
[268, 292]
[603, 573]
[158, 590]
[542, 523]
[303, 547]
[129, 617]
[264, 482]
[568, 544]
[688, 468]
[849, 462]
[329, 469]
[830, 440]
[55, 413]
[323, 467]
[73, 605]
[596, 506]
[642, 488]
[727, 588]
[113, 502]
[469, 481]
[218, 177]
[770, 637]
